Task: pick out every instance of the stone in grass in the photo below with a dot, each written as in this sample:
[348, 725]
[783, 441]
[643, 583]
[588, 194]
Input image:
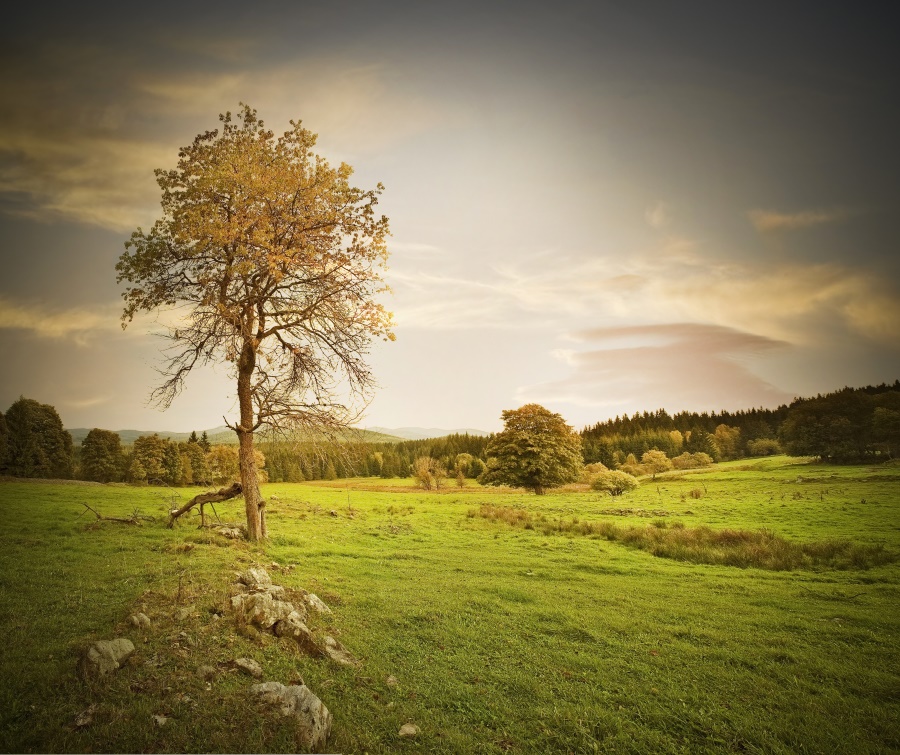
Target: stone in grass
[338, 653]
[293, 627]
[256, 578]
[315, 602]
[249, 666]
[160, 721]
[140, 620]
[261, 609]
[391, 681]
[409, 730]
[311, 717]
[105, 656]
[86, 717]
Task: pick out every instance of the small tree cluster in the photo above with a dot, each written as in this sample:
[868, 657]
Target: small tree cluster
[428, 473]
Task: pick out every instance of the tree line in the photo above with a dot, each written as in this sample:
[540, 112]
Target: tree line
[852, 424]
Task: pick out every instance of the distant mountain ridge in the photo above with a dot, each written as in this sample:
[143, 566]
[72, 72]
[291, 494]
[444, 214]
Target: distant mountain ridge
[421, 433]
[222, 436]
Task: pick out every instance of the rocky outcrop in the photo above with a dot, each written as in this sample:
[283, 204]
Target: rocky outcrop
[257, 601]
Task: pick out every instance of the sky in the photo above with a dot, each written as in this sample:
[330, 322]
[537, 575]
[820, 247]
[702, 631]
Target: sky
[601, 207]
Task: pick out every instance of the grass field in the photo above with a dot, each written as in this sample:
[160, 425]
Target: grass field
[503, 638]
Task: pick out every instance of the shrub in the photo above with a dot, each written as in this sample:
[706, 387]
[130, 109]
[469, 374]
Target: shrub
[615, 482]
[763, 447]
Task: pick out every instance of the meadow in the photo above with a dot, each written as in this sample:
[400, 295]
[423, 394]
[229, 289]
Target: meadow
[511, 622]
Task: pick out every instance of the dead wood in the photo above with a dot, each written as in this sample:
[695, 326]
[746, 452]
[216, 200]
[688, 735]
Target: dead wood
[224, 494]
[135, 518]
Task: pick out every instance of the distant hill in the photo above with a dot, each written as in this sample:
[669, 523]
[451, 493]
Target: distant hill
[223, 436]
[422, 433]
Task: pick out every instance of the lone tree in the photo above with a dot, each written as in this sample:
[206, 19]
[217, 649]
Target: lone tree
[275, 259]
[535, 450]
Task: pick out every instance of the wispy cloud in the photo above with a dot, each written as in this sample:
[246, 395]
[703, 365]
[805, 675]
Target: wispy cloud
[77, 324]
[677, 366]
[766, 221]
[82, 132]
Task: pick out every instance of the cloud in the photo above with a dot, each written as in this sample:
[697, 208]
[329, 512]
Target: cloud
[766, 221]
[76, 324]
[86, 403]
[83, 127]
[676, 366]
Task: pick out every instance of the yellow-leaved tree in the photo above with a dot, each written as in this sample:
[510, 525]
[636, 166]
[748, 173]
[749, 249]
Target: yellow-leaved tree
[275, 258]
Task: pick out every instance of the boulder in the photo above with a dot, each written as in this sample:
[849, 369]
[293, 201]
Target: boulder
[338, 653]
[260, 608]
[105, 656]
[312, 719]
[314, 602]
[293, 627]
[256, 578]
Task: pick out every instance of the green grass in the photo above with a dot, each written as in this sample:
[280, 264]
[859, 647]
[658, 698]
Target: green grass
[503, 639]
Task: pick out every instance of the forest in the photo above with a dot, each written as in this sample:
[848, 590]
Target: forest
[845, 426]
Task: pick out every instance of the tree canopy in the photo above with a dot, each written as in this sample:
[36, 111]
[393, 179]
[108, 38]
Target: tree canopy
[276, 259]
[37, 445]
[536, 450]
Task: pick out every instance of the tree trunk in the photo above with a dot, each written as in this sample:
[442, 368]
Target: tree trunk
[249, 472]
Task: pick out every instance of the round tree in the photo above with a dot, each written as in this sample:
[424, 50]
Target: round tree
[536, 450]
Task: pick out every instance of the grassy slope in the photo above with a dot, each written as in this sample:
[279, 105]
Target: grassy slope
[502, 639]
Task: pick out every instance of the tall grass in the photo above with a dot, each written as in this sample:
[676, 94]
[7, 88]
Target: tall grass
[703, 545]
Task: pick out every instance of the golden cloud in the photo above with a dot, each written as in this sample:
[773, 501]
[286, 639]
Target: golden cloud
[771, 220]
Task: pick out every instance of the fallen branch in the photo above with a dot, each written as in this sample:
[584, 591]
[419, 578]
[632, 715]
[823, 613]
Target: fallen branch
[224, 494]
[135, 518]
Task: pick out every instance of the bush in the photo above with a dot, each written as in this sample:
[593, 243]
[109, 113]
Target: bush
[692, 461]
[615, 482]
[763, 447]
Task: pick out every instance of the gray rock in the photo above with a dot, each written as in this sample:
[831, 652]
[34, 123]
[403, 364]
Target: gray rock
[409, 730]
[256, 578]
[183, 613]
[294, 627]
[314, 602]
[338, 653]
[391, 681]
[140, 620]
[160, 721]
[249, 666]
[312, 718]
[105, 656]
[260, 608]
